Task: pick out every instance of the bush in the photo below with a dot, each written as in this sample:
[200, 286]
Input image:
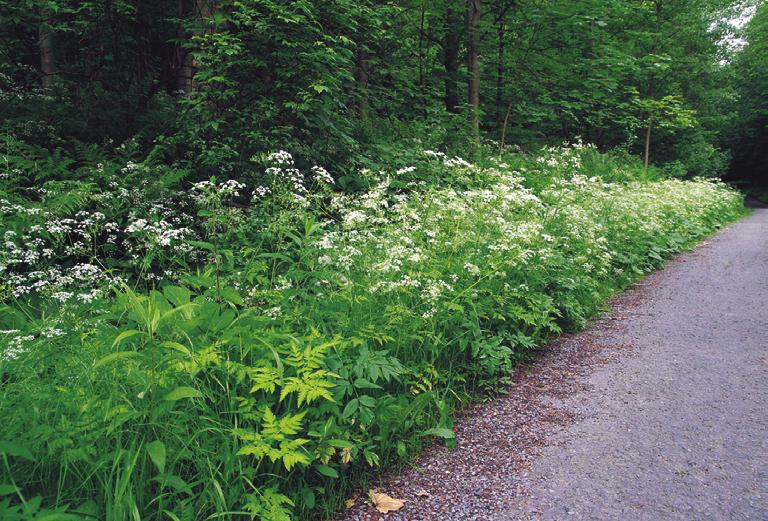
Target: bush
[313, 337]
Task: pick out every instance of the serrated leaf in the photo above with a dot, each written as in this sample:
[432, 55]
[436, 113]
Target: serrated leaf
[231, 295]
[177, 295]
[181, 348]
[367, 401]
[290, 425]
[200, 244]
[350, 409]
[362, 383]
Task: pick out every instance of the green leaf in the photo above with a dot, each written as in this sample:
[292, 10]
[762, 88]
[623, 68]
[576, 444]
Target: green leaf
[309, 497]
[350, 409]
[6, 490]
[182, 392]
[325, 470]
[181, 348]
[362, 383]
[173, 481]
[177, 295]
[341, 444]
[203, 245]
[125, 334]
[440, 432]
[33, 505]
[402, 450]
[114, 357]
[14, 449]
[275, 256]
[231, 295]
[367, 401]
[89, 509]
[156, 451]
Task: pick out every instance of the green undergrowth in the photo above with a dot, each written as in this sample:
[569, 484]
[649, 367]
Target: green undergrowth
[184, 355]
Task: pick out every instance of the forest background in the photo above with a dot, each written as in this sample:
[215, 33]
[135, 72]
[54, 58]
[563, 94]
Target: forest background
[255, 251]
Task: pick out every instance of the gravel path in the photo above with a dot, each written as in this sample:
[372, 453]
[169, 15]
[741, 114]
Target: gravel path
[657, 412]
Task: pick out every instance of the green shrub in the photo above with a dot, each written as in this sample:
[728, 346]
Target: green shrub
[299, 344]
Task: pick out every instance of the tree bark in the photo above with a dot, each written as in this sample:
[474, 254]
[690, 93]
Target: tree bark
[47, 57]
[452, 40]
[500, 71]
[652, 86]
[647, 150]
[182, 60]
[362, 76]
[504, 128]
[473, 64]
[188, 66]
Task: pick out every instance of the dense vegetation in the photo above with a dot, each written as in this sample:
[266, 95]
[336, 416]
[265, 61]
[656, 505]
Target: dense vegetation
[255, 250]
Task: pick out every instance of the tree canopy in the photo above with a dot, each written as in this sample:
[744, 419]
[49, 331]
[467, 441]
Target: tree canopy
[209, 83]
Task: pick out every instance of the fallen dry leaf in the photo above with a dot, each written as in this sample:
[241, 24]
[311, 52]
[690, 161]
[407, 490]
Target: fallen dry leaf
[349, 503]
[385, 503]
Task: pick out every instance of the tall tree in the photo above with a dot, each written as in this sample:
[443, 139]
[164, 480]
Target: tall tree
[45, 43]
[658, 9]
[473, 64]
[451, 47]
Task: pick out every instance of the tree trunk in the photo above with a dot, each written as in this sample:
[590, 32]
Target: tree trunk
[652, 86]
[421, 48]
[362, 75]
[188, 66]
[182, 60]
[500, 72]
[647, 153]
[451, 59]
[473, 64]
[504, 128]
[47, 58]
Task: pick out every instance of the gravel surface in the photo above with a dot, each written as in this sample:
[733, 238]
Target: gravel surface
[656, 412]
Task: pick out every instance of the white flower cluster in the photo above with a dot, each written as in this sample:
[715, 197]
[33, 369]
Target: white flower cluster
[393, 239]
[321, 175]
[260, 192]
[290, 176]
[565, 158]
[428, 243]
[281, 158]
[150, 234]
[59, 255]
[204, 190]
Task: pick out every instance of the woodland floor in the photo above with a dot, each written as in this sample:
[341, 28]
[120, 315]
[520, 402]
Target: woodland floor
[658, 411]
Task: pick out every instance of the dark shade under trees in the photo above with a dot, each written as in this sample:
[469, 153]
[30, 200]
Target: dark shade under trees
[206, 84]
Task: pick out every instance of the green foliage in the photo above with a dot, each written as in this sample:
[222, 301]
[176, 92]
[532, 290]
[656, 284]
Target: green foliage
[748, 131]
[196, 324]
[296, 347]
